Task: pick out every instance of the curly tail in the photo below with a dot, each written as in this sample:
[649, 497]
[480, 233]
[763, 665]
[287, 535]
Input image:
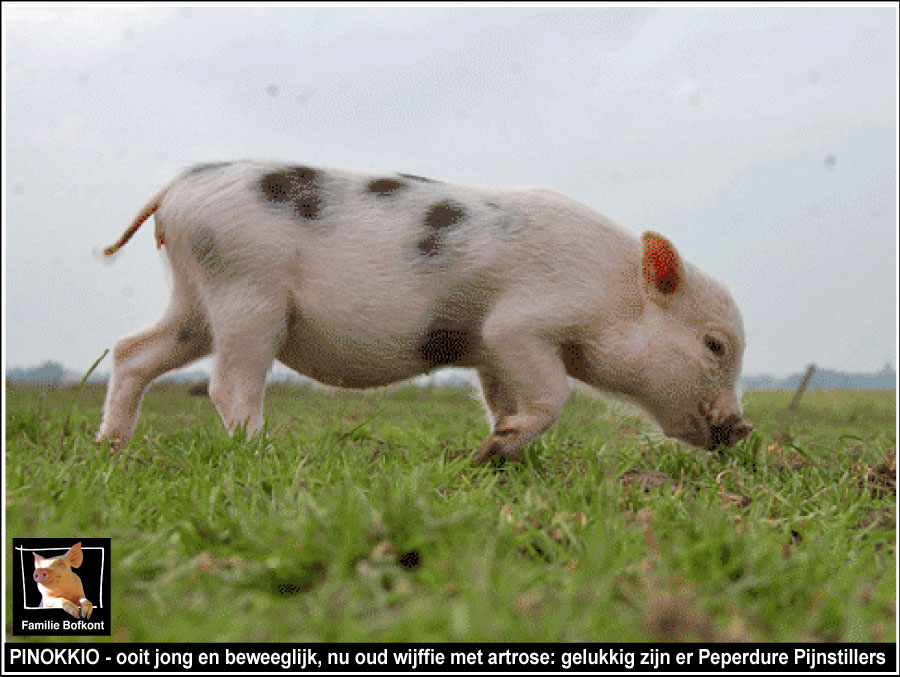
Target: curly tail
[144, 214]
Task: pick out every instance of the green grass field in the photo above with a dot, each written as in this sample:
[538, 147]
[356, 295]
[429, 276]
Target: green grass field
[360, 517]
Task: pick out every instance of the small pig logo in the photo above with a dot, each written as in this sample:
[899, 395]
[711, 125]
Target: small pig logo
[59, 585]
[43, 570]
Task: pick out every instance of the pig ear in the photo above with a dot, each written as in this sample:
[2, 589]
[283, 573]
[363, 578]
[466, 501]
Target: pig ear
[37, 560]
[662, 269]
[75, 556]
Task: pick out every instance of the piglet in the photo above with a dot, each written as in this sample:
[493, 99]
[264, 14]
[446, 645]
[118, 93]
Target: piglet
[59, 585]
[360, 279]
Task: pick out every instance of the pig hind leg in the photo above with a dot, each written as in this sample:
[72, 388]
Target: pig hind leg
[499, 400]
[247, 329]
[528, 375]
[180, 337]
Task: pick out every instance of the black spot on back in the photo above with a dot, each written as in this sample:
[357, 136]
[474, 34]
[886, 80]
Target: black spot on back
[443, 215]
[430, 245]
[206, 251]
[385, 186]
[207, 167]
[438, 220]
[414, 177]
[296, 188]
[444, 343]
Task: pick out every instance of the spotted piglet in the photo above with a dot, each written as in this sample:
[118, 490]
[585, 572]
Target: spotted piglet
[358, 280]
[60, 586]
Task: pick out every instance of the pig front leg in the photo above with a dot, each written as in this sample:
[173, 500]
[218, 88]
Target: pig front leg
[86, 607]
[499, 400]
[526, 380]
[71, 608]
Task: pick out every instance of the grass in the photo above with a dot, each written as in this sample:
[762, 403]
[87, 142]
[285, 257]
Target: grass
[361, 518]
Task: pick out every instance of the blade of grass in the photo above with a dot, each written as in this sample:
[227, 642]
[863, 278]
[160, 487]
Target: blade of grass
[65, 427]
[344, 435]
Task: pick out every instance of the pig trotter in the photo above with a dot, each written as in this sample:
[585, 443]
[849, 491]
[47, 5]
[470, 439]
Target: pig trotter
[498, 444]
[534, 384]
[71, 608]
[115, 442]
[86, 608]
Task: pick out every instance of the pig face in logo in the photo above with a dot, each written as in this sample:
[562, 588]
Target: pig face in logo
[59, 585]
[692, 342]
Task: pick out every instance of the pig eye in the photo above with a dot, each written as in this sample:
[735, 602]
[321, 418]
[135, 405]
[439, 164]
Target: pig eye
[716, 347]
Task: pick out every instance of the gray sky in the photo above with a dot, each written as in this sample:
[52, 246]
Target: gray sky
[761, 140]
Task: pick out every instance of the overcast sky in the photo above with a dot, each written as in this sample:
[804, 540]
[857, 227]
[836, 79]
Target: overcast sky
[761, 140]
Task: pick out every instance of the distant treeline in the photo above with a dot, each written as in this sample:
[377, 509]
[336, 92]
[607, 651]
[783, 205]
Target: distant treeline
[826, 379]
[52, 373]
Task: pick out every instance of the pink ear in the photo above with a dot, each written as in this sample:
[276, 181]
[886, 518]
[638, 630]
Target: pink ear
[75, 555]
[661, 265]
[37, 560]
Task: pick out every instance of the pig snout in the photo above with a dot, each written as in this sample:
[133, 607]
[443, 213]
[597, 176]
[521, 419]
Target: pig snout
[730, 432]
[724, 430]
[40, 576]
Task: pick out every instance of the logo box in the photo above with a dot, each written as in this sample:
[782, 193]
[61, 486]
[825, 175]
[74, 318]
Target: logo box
[30, 617]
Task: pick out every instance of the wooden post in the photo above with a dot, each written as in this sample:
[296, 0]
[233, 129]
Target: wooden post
[801, 387]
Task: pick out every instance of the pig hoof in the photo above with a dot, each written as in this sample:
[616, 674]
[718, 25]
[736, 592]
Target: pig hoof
[86, 609]
[115, 443]
[493, 447]
[488, 449]
[71, 609]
